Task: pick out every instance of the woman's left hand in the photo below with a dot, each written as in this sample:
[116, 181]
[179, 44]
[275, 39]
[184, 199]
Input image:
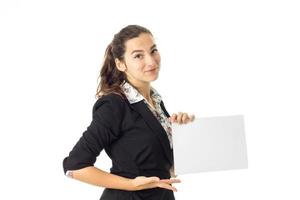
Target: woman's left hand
[181, 118]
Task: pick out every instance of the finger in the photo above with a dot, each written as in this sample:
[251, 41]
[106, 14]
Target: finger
[163, 183]
[142, 180]
[152, 179]
[185, 118]
[167, 186]
[179, 118]
[192, 117]
[170, 181]
[173, 117]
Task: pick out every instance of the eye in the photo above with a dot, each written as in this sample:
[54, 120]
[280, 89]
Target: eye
[154, 50]
[138, 56]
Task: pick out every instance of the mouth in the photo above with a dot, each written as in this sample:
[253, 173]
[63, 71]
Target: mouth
[151, 70]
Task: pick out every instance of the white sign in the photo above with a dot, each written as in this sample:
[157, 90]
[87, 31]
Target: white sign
[209, 144]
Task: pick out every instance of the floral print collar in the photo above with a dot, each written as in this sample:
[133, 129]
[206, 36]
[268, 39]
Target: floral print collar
[134, 96]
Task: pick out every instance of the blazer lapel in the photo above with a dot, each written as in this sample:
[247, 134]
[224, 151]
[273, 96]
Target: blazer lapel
[157, 128]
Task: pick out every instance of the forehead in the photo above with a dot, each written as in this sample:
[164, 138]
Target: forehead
[143, 41]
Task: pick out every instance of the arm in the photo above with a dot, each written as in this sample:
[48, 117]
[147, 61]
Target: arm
[102, 131]
[98, 177]
[104, 128]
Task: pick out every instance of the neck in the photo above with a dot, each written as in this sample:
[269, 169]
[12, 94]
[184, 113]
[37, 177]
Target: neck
[143, 88]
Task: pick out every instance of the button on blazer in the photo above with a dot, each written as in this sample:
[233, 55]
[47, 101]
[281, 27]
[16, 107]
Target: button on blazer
[134, 140]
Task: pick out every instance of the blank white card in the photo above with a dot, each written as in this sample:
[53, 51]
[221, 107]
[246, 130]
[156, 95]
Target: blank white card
[209, 144]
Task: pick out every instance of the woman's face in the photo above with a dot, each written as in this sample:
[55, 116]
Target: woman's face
[141, 59]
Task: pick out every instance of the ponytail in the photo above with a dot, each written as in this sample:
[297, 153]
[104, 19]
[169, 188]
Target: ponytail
[110, 77]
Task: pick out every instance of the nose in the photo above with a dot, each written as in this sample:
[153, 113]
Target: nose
[150, 61]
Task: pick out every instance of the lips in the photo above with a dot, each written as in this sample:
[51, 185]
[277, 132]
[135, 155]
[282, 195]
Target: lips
[151, 70]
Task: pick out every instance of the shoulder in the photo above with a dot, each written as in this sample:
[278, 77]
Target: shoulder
[111, 98]
[111, 102]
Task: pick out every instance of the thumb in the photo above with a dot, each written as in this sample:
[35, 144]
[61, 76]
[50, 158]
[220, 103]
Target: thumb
[142, 180]
[152, 179]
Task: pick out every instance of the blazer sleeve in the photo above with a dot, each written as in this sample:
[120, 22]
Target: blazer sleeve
[102, 131]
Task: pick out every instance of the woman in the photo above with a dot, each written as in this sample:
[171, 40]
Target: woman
[130, 122]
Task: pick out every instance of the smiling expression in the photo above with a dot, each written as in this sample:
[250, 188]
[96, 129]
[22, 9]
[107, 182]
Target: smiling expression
[141, 59]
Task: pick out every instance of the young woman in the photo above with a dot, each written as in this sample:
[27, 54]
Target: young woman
[131, 123]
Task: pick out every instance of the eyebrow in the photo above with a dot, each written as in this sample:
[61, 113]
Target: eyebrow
[138, 50]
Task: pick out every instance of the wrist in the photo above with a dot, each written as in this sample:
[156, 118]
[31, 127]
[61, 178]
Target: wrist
[128, 184]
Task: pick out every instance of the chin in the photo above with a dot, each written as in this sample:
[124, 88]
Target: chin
[154, 78]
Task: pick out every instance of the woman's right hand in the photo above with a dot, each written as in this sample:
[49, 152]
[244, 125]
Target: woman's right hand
[142, 182]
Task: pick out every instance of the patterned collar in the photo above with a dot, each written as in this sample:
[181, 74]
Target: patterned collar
[134, 95]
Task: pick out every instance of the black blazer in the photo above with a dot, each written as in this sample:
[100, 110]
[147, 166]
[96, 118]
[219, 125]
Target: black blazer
[134, 140]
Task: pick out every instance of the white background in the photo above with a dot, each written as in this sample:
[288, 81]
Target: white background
[218, 58]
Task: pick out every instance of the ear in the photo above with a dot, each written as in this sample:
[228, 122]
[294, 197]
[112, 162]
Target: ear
[120, 65]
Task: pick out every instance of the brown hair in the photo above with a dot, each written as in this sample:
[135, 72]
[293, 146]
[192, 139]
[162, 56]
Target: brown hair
[111, 77]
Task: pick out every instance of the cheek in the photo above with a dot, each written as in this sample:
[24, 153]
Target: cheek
[135, 69]
[133, 65]
[157, 58]
[137, 66]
